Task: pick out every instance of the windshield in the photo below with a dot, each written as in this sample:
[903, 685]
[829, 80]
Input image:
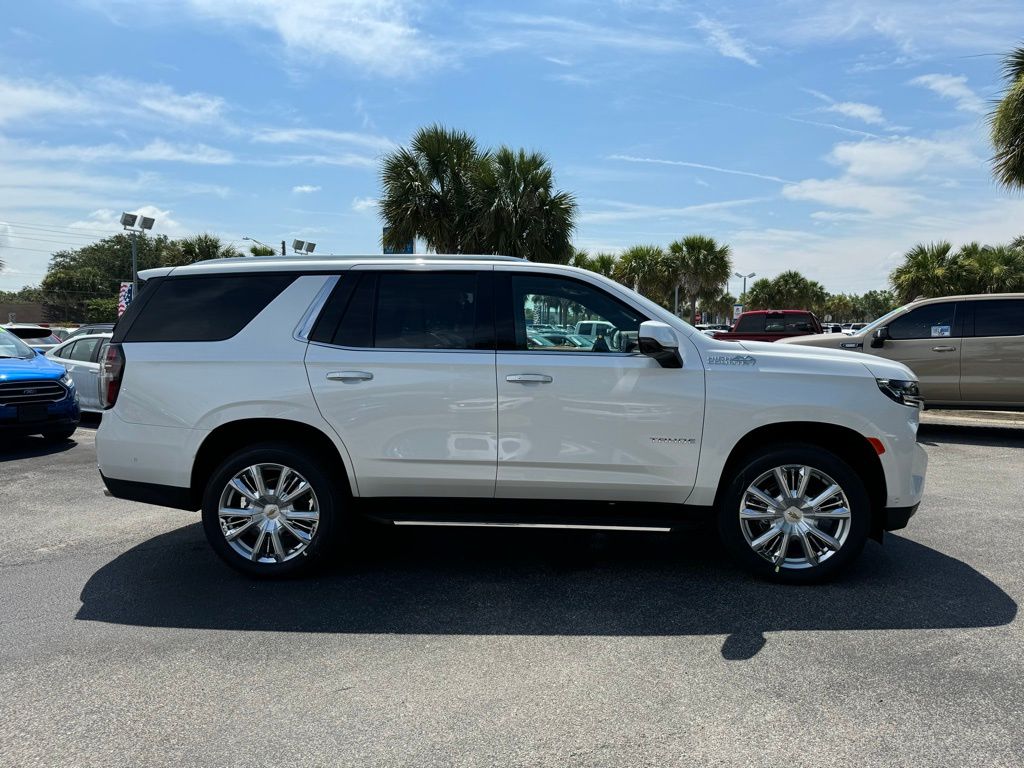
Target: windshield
[12, 346]
[883, 319]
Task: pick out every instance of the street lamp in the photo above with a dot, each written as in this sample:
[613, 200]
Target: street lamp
[134, 223]
[254, 240]
[744, 278]
[303, 246]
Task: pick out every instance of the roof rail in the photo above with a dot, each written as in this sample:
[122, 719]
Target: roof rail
[440, 256]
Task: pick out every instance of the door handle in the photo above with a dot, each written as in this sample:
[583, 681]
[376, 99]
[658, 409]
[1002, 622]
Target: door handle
[349, 376]
[526, 378]
[943, 349]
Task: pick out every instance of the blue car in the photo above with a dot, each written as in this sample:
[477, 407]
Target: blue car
[37, 397]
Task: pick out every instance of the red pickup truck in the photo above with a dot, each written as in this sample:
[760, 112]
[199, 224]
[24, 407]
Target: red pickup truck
[772, 325]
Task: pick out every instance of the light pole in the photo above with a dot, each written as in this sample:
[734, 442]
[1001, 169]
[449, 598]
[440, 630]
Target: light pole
[744, 278]
[254, 240]
[134, 223]
[303, 246]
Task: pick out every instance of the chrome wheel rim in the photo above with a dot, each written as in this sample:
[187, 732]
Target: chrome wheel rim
[795, 516]
[268, 513]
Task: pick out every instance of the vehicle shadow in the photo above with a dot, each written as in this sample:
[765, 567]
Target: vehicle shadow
[932, 434]
[12, 448]
[503, 582]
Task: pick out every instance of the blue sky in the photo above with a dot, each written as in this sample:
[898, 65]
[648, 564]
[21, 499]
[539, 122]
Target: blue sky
[823, 136]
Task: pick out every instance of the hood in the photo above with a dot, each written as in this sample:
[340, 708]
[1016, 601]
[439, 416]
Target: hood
[36, 367]
[878, 367]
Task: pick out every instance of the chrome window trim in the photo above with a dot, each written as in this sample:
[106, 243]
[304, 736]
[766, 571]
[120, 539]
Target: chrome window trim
[309, 318]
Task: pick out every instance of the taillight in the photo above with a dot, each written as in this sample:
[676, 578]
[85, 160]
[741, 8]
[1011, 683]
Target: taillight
[111, 373]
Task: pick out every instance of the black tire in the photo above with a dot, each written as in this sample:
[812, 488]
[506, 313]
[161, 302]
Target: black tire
[329, 493]
[753, 467]
[60, 435]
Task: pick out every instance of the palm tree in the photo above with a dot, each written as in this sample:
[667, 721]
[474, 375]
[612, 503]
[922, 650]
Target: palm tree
[699, 266]
[992, 269]
[200, 248]
[519, 211]
[581, 259]
[717, 306]
[603, 264]
[428, 191]
[1007, 124]
[262, 250]
[643, 267]
[927, 270]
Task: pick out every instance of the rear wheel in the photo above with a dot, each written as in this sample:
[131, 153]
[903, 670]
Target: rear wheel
[796, 514]
[271, 510]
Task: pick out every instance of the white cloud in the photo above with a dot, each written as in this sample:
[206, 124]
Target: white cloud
[106, 221]
[562, 33]
[157, 150]
[878, 200]
[363, 204]
[701, 166]
[342, 159]
[952, 87]
[188, 108]
[722, 40]
[305, 189]
[26, 98]
[900, 157]
[622, 211]
[321, 136]
[378, 36]
[867, 113]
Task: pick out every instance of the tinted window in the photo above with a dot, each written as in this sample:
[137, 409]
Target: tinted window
[788, 323]
[932, 321]
[750, 324]
[205, 308]
[356, 328]
[82, 350]
[562, 301]
[431, 310]
[999, 318]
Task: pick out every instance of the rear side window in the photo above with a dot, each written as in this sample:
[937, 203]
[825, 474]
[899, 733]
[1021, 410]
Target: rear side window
[932, 321]
[418, 310]
[82, 350]
[205, 308]
[750, 324]
[1001, 317]
[788, 323]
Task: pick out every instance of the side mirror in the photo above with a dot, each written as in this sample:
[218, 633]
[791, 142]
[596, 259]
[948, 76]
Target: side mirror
[878, 337]
[658, 340]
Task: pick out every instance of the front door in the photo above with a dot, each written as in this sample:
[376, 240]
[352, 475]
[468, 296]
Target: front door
[928, 340]
[601, 422]
[405, 376]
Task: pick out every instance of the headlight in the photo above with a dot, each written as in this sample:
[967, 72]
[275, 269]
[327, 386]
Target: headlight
[903, 392]
[67, 381]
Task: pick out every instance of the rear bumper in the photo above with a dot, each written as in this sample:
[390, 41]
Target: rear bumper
[895, 518]
[150, 493]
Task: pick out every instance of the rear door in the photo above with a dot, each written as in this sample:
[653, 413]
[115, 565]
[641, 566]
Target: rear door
[992, 361]
[928, 341]
[402, 366]
[81, 364]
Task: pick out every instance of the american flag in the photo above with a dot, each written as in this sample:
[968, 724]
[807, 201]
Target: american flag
[124, 298]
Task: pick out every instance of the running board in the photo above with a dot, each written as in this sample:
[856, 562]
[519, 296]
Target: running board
[560, 526]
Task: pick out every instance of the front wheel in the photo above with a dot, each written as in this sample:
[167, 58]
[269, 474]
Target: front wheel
[795, 513]
[271, 510]
[59, 435]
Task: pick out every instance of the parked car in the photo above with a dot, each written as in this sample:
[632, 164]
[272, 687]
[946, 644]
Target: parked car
[80, 357]
[854, 327]
[967, 351]
[38, 337]
[772, 325]
[569, 340]
[283, 398]
[37, 396]
[591, 329]
[91, 328]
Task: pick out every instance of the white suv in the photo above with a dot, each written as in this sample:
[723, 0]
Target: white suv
[286, 397]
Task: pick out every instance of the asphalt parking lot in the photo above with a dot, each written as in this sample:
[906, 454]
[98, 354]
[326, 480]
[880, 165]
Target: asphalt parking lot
[123, 641]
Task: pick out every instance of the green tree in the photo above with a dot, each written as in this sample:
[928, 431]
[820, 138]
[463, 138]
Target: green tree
[874, 304]
[991, 269]
[428, 191]
[644, 268]
[261, 250]
[603, 264]
[699, 266]
[202, 247]
[101, 311]
[445, 190]
[927, 270]
[1007, 124]
[789, 290]
[717, 308]
[581, 259]
[519, 212]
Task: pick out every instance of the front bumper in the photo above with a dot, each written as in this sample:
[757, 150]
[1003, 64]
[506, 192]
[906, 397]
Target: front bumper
[60, 415]
[895, 518]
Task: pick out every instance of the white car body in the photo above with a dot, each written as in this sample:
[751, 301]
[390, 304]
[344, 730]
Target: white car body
[82, 364]
[458, 423]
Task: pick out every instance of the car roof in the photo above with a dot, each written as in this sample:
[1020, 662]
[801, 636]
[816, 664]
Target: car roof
[326, 263]
[778, 312]
[966, 297]
[91, 335]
